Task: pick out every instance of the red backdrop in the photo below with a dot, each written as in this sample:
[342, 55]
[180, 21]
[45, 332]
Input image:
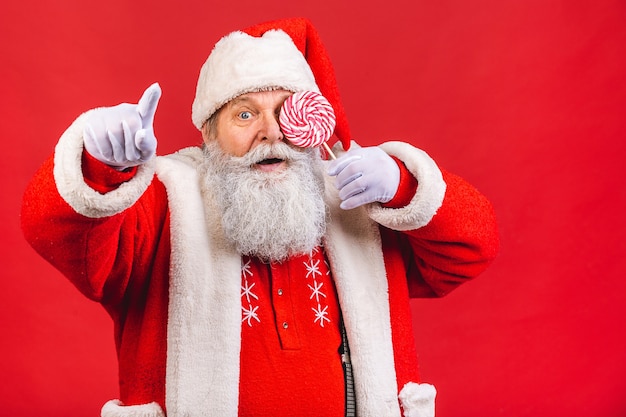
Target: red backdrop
[526, 99]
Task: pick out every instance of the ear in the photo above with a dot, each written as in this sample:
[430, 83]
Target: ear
[209, 129]
[205, 130]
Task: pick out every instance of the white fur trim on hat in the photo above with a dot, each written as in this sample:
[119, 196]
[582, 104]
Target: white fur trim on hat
[240, 63]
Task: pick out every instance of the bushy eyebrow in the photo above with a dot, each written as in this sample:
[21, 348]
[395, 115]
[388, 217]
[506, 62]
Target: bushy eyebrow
[240, 99]
[244, 99]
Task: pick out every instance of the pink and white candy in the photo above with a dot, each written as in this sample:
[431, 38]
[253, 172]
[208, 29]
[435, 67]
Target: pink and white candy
[307, 119]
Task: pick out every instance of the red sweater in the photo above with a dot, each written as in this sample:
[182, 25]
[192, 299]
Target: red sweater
[290, 338]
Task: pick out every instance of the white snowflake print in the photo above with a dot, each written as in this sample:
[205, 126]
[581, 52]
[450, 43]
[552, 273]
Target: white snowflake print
[246, 291]
[312, 268]
[321, 315]
[246, 270]
[316, 291]
[314, 271]
[249, 314]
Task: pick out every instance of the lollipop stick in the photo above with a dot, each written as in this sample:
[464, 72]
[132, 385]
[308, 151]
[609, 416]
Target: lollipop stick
[330, 153]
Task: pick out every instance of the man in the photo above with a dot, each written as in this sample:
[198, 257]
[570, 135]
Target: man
[239, 275]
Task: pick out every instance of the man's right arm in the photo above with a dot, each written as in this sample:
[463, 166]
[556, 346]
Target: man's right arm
[98, 224]
[100, 255]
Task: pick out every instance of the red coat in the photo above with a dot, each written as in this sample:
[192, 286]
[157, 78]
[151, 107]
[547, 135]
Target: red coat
[150, 249]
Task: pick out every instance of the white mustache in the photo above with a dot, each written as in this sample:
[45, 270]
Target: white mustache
[277, 150]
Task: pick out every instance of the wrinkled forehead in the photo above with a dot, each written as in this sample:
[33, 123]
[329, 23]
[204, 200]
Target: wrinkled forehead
[272, 97]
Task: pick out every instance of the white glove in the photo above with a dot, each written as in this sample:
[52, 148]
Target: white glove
[122, 136]
[365, 175]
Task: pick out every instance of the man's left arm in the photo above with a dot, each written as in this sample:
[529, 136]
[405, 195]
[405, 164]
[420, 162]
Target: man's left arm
[448, 226]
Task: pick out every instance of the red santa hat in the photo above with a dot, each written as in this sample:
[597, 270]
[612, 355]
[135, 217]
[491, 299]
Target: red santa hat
[283, 54]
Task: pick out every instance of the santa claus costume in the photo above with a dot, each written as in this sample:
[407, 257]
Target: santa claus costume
[189, 310]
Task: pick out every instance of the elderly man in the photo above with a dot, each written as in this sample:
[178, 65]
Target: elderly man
[250, 276]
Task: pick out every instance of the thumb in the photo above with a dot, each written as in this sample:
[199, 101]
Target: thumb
[146, 107]
[146, 144]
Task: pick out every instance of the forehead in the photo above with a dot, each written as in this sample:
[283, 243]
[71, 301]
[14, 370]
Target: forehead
[260, 98]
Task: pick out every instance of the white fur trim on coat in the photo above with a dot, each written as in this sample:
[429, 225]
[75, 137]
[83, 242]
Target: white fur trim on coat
[353, 247]
[418, 400]
[115, 408]
[68, 176]
[431, 190]
[240, 63]
[204, 314]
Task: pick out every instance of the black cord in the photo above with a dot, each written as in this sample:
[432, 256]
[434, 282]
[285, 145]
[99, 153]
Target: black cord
[344, 351]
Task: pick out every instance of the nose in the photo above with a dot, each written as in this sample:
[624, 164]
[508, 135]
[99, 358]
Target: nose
[270, 129]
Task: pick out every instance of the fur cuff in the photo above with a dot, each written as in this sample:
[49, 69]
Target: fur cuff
[431, 189]
[418, 400]
[68, 176]
[115, 408]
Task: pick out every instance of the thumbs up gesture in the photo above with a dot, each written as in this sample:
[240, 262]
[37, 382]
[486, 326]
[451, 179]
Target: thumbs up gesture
[123, 136]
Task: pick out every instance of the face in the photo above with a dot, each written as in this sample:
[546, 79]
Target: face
[248, 121]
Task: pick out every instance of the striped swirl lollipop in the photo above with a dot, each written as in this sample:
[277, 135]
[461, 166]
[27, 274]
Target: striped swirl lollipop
[307, 119]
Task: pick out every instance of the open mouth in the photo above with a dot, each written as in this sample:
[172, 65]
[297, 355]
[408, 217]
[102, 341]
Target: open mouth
[270, 161]
[271, 165]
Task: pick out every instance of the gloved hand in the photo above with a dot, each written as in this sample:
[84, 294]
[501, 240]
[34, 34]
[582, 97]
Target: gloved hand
[365, 175]
[122, 136]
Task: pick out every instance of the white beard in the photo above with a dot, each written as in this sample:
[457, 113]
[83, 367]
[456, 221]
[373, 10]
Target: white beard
[268, 215]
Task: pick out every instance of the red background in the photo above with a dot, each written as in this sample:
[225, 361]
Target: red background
[526, 99]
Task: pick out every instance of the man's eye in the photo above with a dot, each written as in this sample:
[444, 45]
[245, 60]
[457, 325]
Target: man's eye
[245, 115]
